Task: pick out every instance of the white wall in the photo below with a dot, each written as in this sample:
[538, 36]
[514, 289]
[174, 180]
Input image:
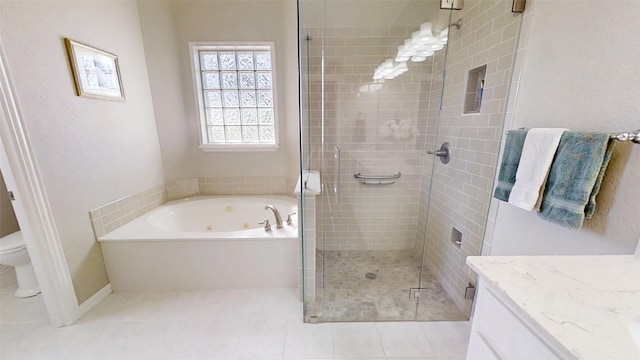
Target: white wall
[581, 71]
[90, 152]
[167, 29]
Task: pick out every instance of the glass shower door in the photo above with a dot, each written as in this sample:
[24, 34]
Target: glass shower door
[475, 91]
[368, 87]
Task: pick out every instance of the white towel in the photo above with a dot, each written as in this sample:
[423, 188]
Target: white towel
[538, 151]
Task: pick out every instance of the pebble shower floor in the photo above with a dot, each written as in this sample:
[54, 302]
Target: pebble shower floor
[374, 286]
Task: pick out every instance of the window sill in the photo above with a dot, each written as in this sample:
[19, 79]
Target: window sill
[238, 147]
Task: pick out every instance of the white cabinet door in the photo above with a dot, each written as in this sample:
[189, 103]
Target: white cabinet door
[503, 332]
[479, 348]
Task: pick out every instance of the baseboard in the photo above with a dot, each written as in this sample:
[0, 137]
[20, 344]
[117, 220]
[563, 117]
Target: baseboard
[95, 299]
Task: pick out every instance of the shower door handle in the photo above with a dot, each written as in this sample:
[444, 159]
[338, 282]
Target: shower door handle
[336, 173]
[444, 152]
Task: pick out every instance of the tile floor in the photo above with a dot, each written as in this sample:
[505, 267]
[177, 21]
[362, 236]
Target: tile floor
[222, 324]
[345, 294]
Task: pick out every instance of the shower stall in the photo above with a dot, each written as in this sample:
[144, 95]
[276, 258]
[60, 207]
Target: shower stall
[389, 212]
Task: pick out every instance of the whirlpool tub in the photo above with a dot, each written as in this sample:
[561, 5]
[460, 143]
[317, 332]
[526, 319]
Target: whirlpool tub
[205, 243]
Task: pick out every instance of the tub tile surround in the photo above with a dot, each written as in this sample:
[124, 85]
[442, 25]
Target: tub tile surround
[115, 214]
[247, 185]
[120, 212]
[180, 189]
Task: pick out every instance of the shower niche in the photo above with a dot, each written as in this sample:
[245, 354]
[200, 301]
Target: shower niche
[475, 90]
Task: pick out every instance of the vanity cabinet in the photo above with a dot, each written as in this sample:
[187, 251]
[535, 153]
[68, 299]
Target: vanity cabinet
[577, 307]
[497, 333]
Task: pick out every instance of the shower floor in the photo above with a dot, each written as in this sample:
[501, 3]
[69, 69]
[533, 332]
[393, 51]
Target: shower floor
[346, 293]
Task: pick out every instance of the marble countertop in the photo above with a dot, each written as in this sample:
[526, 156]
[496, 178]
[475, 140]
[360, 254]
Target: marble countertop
[580, 305]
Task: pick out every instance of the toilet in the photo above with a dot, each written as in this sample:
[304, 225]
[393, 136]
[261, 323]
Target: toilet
[13, 252]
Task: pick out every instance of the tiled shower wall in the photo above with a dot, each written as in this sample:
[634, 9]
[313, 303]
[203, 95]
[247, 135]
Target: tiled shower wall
[378, 132]
[431, 143]
[461, 190]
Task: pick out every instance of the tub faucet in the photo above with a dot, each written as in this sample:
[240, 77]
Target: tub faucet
[277, 214]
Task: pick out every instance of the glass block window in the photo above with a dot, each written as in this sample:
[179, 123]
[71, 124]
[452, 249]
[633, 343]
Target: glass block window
[235, 88]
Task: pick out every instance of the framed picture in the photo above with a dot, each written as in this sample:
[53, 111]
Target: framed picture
[95, 72]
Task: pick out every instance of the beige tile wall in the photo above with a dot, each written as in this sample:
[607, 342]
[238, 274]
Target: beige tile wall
[432, 111]
[183, 188]
[247, 185]
[309, 267]
[366, 217]
[461, 190]
[113, 215]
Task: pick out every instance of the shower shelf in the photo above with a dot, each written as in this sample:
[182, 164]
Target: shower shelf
[377, 179]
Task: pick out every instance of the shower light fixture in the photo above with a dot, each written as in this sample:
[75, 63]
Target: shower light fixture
[425, 53]
[410, 44]
[390, 70]
[418, 47]
[401, 67]
[425, 34]
[443, 37]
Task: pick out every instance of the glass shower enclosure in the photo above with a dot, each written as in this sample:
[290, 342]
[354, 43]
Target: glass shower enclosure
[387, 218]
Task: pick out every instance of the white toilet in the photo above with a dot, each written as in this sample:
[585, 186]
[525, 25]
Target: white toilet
[13, 252]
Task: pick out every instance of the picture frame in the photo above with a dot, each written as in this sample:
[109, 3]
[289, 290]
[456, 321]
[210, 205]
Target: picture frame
[96, 73]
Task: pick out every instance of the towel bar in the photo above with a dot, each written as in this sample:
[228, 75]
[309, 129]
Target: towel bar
[628, 136]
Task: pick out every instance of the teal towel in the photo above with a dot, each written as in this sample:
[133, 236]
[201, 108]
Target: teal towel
[575, 178]
[509, 165]
[590, 209]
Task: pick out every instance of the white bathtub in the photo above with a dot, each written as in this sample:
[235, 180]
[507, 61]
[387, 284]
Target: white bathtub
[205, 243]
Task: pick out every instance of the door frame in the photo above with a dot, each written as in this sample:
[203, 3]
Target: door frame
[31, 205]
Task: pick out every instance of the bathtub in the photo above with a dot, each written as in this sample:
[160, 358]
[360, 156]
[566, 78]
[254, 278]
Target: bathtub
[205, 243]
